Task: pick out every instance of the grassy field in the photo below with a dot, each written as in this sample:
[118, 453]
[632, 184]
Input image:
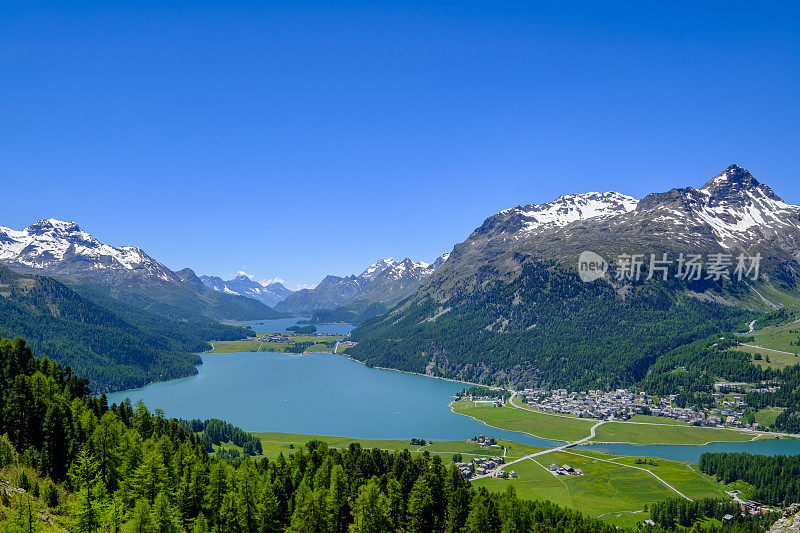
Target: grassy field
[658, 420]
[614, 492]
[534, 422]
[256, 346]
[666, 434]
[776, 360]
[766, 417]
[273, 444]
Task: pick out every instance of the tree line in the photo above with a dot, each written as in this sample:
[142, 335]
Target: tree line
[775, 480]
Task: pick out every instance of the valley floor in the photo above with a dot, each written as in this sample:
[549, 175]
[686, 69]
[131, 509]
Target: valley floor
[612, 488]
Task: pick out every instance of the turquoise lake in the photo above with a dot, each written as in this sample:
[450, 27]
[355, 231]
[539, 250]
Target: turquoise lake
[320, 394]
[327, 394]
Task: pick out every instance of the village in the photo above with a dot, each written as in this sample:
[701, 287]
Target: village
[622, 404]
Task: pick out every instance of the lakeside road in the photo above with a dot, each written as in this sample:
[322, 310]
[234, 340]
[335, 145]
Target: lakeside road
[754, 433]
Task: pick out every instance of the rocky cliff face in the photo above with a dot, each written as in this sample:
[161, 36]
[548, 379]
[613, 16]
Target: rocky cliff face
[790, 522]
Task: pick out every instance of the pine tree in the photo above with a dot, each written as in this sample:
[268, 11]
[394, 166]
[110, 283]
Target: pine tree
[141, 523]
[270, 510]
[247, 497]
[84, 477]
[163, 516]
[27, 519]
[150, 477]
[337, 500]
[371, 511]
[458, 497]
[483, 515]
[420, 514]
[114, 515]
[215, 493]
[310, 511]
[200, 524]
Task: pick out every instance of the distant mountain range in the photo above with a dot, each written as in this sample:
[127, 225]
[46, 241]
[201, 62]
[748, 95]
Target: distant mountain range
[269, 294]
[114, 314]
[377, 289]
[509, 305]
[64, 251]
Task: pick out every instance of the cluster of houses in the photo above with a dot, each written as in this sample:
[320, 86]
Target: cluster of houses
[347, 344]
[274, 337]
[564, 470]
[481, 466]
[620, 403]
[750, 507]
[623, 404]
[483, 440]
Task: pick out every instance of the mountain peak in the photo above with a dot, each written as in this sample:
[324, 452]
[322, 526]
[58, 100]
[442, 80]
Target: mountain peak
[737, 184]
[732, 177]
[51, 224]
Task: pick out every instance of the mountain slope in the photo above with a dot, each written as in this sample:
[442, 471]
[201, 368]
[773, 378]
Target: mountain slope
[115, 347]
[509, 305]
[331, 292]
[269, 294]
[63, 250]
[378, 288]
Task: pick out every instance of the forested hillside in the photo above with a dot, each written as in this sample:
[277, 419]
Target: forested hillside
[543, 327]
[86, 466]
[775, 480]
[115, 345]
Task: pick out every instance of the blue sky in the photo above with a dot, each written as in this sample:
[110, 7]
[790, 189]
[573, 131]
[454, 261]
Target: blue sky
[300, 139]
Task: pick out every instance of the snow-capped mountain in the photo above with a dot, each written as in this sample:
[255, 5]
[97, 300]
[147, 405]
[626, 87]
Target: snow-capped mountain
[377, 267]
[386, 281]
[511, 291]
[63, 250]
[270, 293]
[733, 208]
[535, 218]
[56, 246]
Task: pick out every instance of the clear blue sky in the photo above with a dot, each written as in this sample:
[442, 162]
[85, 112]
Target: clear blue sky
[301, 139]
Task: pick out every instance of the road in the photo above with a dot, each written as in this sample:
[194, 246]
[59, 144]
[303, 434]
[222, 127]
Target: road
[769, 349]
[635, 467]
[543, 452]
[565, 448]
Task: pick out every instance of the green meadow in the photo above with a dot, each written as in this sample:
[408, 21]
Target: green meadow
[769, 358]
[648, 430]
[257, 346]
[612, 488]
[614, 492]
[537, 423]
[665, 434]
[275, 443]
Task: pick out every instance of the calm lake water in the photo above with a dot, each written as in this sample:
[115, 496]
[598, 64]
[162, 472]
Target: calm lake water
[280, 324]
[319, 394]
[327, 394]
[692, 453]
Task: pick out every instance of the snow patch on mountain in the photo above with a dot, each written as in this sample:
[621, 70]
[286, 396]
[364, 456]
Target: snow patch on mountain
[573, 207]
[735, 207]
[52, 244]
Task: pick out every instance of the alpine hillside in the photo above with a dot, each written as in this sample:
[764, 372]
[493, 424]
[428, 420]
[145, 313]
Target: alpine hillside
[509, 305]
